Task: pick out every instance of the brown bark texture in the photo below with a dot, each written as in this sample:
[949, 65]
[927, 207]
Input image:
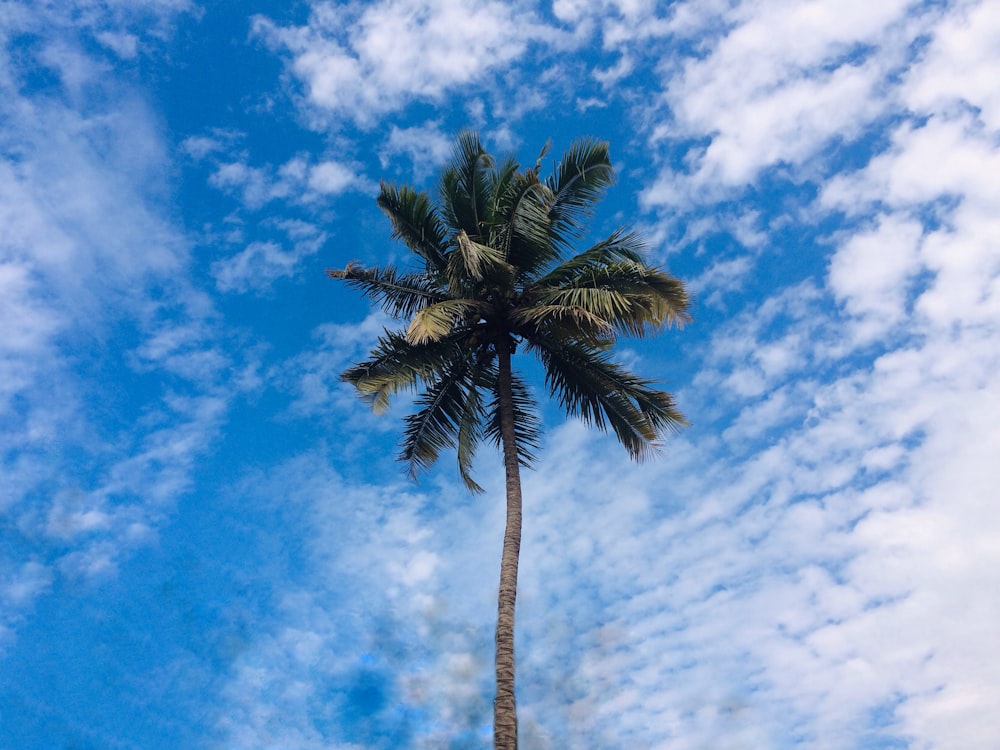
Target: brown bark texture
[504, 708]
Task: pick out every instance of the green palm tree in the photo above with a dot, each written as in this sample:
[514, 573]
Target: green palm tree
[495, 272]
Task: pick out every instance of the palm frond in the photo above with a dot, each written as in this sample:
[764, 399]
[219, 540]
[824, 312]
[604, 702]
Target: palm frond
[500, 179]
[570, 320]
[465, 185]
[527, 427]
[632, 297]
[396, 365]
[399, 295]
[670, 297]
[546, 147]
[604, 394]
[620, 245]
[475, 261]
[415, 221]
[470, 433]
[580, 179]
[450, 416]
[525, 232]
[441, 319]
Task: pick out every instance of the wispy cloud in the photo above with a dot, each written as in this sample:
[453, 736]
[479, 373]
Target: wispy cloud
[781, 83]
[359, 61]
[93, 277]
[297, 180]
[261, 263]
[427, 146]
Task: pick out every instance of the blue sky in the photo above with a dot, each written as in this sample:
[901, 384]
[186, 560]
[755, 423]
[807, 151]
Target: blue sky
[206, 541]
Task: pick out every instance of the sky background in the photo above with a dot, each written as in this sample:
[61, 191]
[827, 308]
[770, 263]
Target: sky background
[205, 540]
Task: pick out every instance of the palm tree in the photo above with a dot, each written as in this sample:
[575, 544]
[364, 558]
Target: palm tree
[496, 272]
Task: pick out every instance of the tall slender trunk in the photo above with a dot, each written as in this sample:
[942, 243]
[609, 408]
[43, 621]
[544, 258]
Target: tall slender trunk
[504, 708]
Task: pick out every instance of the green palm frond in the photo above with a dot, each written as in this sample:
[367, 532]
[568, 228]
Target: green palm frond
[399, 295]
[632, 297]
[396, 365]
[465, 185]
[670, 297]
[415, 221]
[443, 318]
[470, 434]
[621, 245]
[580, 179]
[500, 179]
[450, 416]
[604, 394]
[527, 427]
[525, 231]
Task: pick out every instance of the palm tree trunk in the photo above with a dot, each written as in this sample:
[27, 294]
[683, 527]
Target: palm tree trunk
[504, 708]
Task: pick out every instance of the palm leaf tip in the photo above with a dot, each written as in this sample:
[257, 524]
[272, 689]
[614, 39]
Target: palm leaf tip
[580, 179]
[351, 272]
[415, 221]
[338, 273]
[375, 395]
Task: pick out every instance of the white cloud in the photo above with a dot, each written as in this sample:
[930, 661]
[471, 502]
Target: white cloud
[362, 60]
[426, 145]
[118, 25]
[257, 266]
[406, 656]
[297, 180]
[624, 25]
[36, 323]
[76, 70]
[782, 81]
[261, 263]
[721, 276]
[872, 274]
[737, 361]
[256, 186]
[582, 105]
[959, 64]
[19, 587]
[963, 156]
[330, 178]
[198, 147]
[957, 196]
[125, 45]
[22, 586]
[770, 551]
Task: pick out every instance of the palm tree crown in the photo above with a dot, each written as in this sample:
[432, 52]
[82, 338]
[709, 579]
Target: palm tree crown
[496, 272]
[493, 272]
